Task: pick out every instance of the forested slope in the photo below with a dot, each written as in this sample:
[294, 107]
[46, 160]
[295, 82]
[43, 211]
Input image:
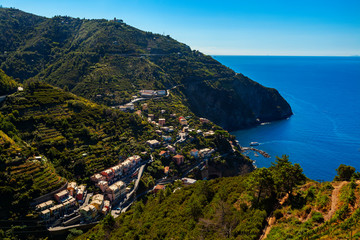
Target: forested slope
[109, 61]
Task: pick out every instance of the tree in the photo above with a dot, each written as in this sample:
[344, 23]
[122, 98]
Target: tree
[79, 167]
[286, 175]
[344, 173]
[262, 182]
[109, 222]
[73, 233]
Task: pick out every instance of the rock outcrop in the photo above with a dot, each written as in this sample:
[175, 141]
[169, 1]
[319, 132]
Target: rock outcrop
[244, 103]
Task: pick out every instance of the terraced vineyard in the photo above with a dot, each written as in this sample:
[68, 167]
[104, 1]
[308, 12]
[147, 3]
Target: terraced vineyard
[49, 136]
[8, 143]
[43, 175]
[78, 136]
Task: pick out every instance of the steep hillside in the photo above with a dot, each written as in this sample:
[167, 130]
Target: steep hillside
[7, 84]
[321, 211]
[265, 204]
[109, 61]
[73, 138]
[73, 132]
[224, 208]
[22, 177]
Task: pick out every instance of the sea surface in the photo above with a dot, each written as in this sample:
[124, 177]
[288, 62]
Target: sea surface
[324, 93]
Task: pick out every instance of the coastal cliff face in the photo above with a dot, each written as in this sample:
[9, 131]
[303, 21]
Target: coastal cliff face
[244, 104]
[108, 62]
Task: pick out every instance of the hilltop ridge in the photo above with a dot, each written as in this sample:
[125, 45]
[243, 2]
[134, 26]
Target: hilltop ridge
[109, 61]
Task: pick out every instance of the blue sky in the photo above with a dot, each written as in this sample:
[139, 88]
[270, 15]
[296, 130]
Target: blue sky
[257, 27]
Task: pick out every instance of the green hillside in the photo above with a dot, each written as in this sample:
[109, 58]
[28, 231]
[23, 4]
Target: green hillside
[77, 138]
[73, 132]
[109, 61]
[24, 181]
[22, 178]
[7, 84]
[322, 211]
[273, 203]
[224, 208]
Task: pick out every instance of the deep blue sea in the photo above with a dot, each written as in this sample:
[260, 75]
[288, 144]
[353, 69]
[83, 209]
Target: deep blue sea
[324, 93]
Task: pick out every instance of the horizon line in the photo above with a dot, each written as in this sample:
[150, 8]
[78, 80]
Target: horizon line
[269, 55]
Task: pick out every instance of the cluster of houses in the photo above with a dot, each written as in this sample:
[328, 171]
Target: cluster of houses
[182, 136]
[152, 93]
[67, 200]
[107, 180]
[113, 192]
[112, 174]
[96, 207]
[70, 198]
[179, 159]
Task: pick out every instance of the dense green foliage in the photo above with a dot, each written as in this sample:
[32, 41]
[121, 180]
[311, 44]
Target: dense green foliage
[78, 138]
[108, 62]
[72, 132]
[7, 84]
[217, 209]
[345, 173]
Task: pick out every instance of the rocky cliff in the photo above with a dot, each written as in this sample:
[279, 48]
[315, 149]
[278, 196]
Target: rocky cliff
[244, 104]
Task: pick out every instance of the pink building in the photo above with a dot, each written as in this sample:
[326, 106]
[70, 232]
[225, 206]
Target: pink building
[72, 188]
[108, 174]
[80, 192]
[103, 185]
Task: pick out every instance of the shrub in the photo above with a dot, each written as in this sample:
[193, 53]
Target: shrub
[344, 173]
[317, 217]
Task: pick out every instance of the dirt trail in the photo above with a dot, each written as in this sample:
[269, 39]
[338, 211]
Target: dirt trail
[334, 202]
[334, 199]
[271, 220]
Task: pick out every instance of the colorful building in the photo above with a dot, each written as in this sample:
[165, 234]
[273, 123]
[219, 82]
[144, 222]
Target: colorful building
[62, 196]
[71, 187]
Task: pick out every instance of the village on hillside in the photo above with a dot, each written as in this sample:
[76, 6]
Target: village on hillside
[171, 156]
